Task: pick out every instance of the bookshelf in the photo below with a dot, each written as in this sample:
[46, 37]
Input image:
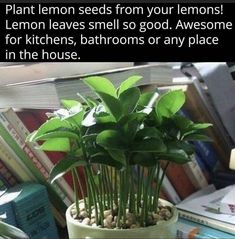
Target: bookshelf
[32, 99]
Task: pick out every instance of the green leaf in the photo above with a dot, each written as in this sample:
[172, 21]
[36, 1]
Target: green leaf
[129, 99]
[131, 128]
[68, 104]
[182, 122]
[137, 116]
[178, 156]
[200, 126]
[48, 126]
[149, 145]
[64, 166]
[76, 118]
[144, 159]
[102, 116]
[197, 137]
[129, 82]
[111, 139]
[188, 148]
[112, 104]
[118, 155]
[101, 84]
[145, 98]
[91, 101]
[148, 132]
[105, 119]
[105, 159]
[56, 144]
[169, 103]
[58, 134]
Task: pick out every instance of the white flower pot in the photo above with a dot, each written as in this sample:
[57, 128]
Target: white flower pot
[164, 230]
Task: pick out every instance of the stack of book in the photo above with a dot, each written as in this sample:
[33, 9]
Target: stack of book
[203, 210]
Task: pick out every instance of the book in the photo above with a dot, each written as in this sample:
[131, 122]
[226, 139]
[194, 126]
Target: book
[14, 163]
[41, 72]
[32, 154]
[223, 178]
[169, 190]
[203, 210]
[178, 177]
[219, 82]
[192, 230]
[62, 186]
[195, 174]
[33, 211]
[3, 186]
[199, 108]
[15, 145]
[6, 208]
[208, 154]
[205, 159]
[7, 175]
[47, 94]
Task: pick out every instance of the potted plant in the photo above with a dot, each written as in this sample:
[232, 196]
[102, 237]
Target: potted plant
[120, 138]
[11, 232]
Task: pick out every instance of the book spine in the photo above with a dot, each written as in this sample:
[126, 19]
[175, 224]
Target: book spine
[40, 167]
[196, 107]
[206, 231]
[14, 163]
[18, 150]
[15, 121]
[3, 185]
[7, 175]
[225, 227]
[195, 173]
[178, 177]
[185, 231]
[207, 153]
[169, 190]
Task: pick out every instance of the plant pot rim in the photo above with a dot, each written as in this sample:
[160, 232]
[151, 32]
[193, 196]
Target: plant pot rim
[164, 202]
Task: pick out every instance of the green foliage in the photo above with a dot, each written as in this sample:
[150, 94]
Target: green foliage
[121, 131]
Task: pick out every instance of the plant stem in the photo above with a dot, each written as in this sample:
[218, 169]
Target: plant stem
[116, 187]
[81, 188]
[95, 193]
[155, 198]
[120, 201]
[132, 200]
[139, 188]
[89, 194]
[110, 190]
[76, 198]
[160, 183]
[150, 184]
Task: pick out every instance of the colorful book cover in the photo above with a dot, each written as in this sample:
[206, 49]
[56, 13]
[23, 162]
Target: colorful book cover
[34, 216]
[202, 230]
